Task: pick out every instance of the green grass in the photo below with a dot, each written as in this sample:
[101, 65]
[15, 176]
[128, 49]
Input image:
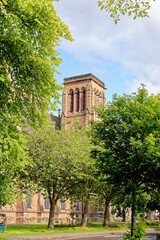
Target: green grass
[41, 229]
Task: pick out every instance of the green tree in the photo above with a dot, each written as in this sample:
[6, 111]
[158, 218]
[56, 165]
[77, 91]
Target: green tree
[129, 133]
[106, 192]
[59, 158]
[29, 33]
[85, 190]
[121, 7]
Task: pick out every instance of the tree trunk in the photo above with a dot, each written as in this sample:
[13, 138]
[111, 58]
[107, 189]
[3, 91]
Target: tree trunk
[106, 213]
[85, 215]
[123, 215]
[51, 215]
[133, 219]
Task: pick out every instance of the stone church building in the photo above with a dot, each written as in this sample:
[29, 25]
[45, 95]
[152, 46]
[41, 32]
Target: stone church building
[81, 93]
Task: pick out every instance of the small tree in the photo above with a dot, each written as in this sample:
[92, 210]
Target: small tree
[86, 193]
[106, 193]
[59, 159]
[86, 187]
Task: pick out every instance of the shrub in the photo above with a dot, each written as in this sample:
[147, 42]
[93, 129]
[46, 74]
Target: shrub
[138, 233]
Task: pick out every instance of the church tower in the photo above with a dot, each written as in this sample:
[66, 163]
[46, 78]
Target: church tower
[81, 93]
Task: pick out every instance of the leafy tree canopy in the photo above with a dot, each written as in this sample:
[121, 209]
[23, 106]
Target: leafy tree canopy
[115, 8]
[29, 32]
[129, 133]
[61, 160]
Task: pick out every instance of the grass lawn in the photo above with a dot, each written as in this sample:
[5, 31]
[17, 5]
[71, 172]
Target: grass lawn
[41, 229]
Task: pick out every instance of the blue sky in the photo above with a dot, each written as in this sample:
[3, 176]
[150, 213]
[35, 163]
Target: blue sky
[123, 56]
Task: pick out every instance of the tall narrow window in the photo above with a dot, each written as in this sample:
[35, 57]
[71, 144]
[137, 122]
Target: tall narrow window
[77, 206]
[62, 204]
[46, 203]
[29, 200]
[71, 100]
[83, 99]
[77, 100]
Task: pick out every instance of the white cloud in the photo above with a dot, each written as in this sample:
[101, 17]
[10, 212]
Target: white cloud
[135, 45]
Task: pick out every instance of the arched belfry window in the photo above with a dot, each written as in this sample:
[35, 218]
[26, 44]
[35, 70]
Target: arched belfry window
[77, 99]
[71, 100]
[83, 99]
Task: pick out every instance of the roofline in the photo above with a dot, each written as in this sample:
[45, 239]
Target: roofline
[88, 76]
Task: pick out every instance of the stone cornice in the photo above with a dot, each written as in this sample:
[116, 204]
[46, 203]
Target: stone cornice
[84, 77]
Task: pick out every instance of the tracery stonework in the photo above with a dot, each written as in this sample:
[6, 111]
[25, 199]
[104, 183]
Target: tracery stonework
[80, 95]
